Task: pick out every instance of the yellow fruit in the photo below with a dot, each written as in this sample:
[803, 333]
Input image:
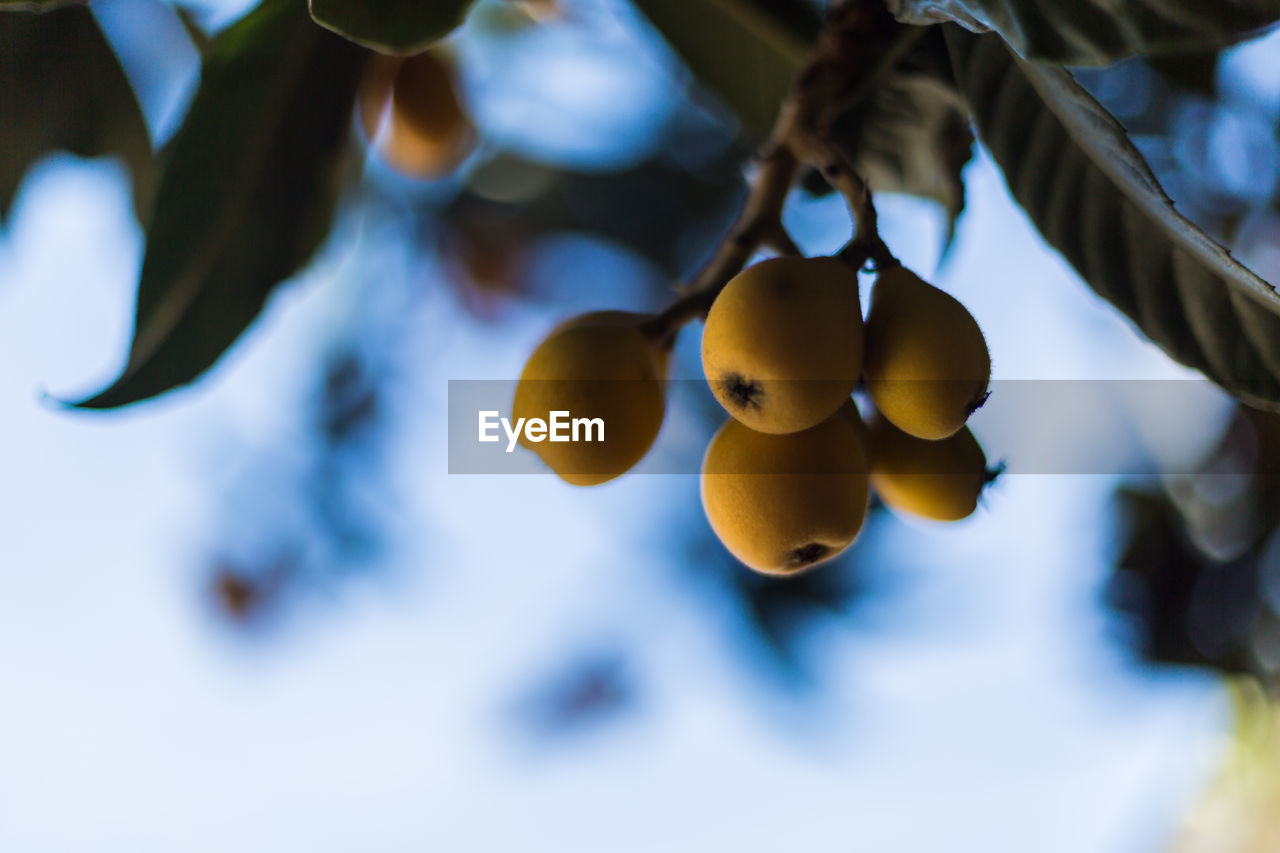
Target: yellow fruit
[782, 349]
[784, 503]
[939, 480]
[430, 132]
[927, 365]
[598, 365]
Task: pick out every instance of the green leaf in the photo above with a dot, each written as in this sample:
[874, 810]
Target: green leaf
[62, 88]
[911, 135]
[391, 26]
[1098, 32]
[745, 51]
[37, 5]
[1070, 165]
[247, 193]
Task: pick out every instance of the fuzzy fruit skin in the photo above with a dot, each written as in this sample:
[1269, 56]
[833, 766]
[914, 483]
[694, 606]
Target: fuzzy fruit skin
[939, 480]
[429, 131]
[927, 365]
[597, 365]
[785, 503]
[782, 348]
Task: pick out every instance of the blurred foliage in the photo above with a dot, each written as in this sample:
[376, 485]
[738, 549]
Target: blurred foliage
[1173, 108]
[245, 196]
[200, 38]
[649, 208]
[298, 522]
[779, 614]
[391, 26]
[758, 47]
[595, 687]
[64, 89]
[1200, 568]
[38, 5]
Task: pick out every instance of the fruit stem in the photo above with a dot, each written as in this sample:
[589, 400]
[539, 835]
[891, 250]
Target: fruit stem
[860, 42]
[759, 223]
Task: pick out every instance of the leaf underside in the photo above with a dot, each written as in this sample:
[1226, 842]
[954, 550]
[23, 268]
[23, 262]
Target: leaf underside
[1071, 167]
[1098, 32]
[247, 193]
[391, 26]
[62, 88]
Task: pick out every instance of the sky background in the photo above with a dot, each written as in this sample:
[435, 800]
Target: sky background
[974, 695]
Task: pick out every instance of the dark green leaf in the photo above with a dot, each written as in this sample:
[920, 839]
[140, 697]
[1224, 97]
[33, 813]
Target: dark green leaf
[247, 193]
[37, 5]
[1098, 32]
[391, 26]
[745, 51]
[61, 87]
[1070, 165]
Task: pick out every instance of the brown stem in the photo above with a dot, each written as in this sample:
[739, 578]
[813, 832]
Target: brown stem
[758, 223]
[859, 43]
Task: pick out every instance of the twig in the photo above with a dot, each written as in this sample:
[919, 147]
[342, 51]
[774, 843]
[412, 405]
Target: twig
[859, 43]
[758, 223]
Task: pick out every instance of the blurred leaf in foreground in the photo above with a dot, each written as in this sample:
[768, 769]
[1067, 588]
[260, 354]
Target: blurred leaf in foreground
[62, 88]
[247, 194]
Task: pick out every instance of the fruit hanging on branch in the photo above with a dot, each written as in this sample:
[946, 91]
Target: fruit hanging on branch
[603, 367]
[783, 503]
[927, 365]
[937, 480]
[785, 483]
[782, 347]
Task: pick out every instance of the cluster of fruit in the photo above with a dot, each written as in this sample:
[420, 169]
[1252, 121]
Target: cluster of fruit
[786, 481]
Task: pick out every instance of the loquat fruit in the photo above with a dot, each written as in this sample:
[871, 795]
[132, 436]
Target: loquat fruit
[927, 366]
[782, 348]
[595, 366]
[782, 503]
[939, 480]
